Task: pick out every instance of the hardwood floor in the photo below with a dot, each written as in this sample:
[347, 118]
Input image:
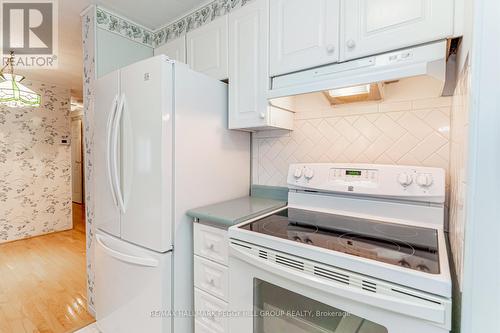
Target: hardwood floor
[43, 283]
[79, 217]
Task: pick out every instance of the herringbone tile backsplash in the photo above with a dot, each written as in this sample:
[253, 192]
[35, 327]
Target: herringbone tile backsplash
[410, 132]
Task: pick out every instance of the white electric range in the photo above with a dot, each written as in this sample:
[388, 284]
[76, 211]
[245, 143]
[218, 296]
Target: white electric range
[359, 249]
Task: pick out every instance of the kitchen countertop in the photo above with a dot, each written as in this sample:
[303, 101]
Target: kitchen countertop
[228, 213]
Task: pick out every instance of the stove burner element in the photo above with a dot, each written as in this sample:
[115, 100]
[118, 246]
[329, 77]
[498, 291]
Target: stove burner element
[400, 231]
[270, 229]
[404, 263]
[423, 268]
[356, 241]
[400, 245]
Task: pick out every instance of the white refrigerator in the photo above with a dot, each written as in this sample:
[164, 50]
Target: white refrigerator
[161, 147]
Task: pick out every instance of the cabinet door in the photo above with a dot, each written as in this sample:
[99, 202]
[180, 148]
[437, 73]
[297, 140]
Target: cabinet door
[303, 34]
[207, 48]
[175, 49]
[375, 26]
[248, 65]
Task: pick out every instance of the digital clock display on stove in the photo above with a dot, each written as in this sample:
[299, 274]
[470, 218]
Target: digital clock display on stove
[353, 173]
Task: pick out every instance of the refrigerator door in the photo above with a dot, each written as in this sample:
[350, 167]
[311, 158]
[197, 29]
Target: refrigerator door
[146, 153]
[107, 213]
[132, 287]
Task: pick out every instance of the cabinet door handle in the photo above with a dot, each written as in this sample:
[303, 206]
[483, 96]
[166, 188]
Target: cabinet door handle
[330, 48]
[262, 115]
[351, 44]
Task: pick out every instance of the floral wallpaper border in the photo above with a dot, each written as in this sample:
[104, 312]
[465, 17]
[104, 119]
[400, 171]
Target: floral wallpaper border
[196, 19]
[123, 27]
[206, 14]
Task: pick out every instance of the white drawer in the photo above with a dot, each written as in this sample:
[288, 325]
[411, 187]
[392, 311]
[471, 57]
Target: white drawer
[211, 243]
[211, 277]
[199, 327]
[210, 311]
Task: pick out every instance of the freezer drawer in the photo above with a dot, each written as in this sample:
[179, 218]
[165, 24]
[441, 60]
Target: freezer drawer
[132, 287]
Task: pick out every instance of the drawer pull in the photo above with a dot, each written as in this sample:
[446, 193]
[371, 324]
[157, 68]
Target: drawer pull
[211, 282]
[211, 246]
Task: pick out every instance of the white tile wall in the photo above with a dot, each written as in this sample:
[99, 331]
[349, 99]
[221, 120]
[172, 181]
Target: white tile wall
[458, 169]
[413, 132]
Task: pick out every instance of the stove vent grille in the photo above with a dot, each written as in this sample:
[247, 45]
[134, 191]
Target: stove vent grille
[329, 274]
[369, 286]
[262, 254]
[334, 274]
[289, 262]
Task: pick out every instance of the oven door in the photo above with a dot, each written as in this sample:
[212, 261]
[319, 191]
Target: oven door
[272, 292]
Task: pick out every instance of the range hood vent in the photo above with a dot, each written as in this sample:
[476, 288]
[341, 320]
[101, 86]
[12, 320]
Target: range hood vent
[424, 60]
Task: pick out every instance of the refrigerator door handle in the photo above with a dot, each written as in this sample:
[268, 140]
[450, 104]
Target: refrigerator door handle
[109, 149]
[141, 261]
[116, 177]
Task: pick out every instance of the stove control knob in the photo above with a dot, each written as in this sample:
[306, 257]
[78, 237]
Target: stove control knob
[308, 173]
[297, 173]
[424, 179]
[405, 179]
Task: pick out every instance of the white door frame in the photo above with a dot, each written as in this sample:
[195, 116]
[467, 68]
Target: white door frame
[77, 116]
[481, 282]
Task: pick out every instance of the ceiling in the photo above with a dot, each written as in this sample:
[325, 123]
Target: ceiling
[150, 13]
[69, 71]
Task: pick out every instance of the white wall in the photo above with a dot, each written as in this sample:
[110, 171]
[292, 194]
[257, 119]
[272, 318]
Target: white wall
[466, 43]
[114, 51]
[481, 269]
[35, 169]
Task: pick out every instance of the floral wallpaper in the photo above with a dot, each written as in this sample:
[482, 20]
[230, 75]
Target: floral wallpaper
[123, 27]
[35, 169]
[196, 19]
[135, 32]
[89, 68]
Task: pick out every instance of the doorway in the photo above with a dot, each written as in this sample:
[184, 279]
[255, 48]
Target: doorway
[77, 173]
[77, 158]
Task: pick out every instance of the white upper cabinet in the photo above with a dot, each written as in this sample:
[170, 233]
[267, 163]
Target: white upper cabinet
[375, 26]
[174, 49]
[303, 34]
[248, 35]
[248, 71]
[207, 48]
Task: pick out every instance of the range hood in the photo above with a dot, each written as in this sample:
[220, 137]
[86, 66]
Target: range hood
[424, 60]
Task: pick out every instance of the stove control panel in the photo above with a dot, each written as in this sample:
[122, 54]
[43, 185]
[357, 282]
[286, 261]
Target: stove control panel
[406, 182]
[352, 175]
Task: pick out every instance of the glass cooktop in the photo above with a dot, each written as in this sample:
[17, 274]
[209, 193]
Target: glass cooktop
[405, 246]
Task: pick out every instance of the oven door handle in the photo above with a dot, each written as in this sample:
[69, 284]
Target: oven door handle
[430, 311]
